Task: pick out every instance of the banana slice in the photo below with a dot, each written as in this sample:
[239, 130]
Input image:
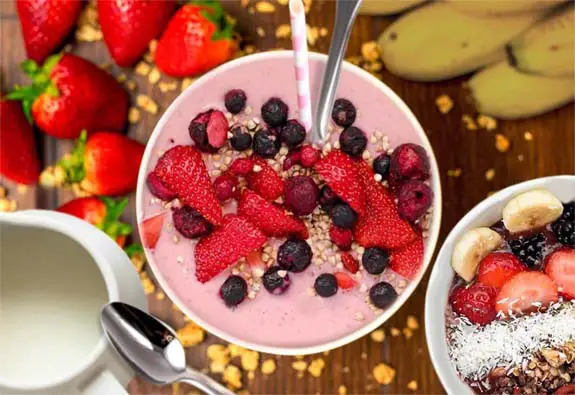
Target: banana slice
[471, 249]
[531, 210]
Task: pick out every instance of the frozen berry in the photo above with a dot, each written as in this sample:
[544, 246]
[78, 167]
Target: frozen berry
[325, 285]
[349, 262]
[266, 143]
[301, 195]
[294, 255]
[235, 101]
[328, 199]
[375, 260]
[344, 280]
[190, 222]
[381, 165]
[353, 141]
[409, 162]
[226, 187]
[209, 130]
[234, 291]
[292, 158]
[343, 216]
[309, 156]
[343, 113]
[276, 280]
[413, 199]
[158, 189]
[564, 227]
[292, 133]
[382, 295]
[529, 249]
[341, 237]
[241, 140]
[274, 112]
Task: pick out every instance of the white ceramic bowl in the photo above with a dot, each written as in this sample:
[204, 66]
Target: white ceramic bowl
[430, 241]
[485, 213]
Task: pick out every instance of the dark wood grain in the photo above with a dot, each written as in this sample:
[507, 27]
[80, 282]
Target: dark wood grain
[550, 152]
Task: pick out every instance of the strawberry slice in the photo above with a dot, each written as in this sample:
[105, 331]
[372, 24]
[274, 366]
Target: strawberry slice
[344, 280]
[242, 166]
[498, 267]
[476, 302]
[264, 180]
[526, 292]
[182, 170]
[235, 239]
[340, 173]
[560, 266]
[150, 230]
[408, 260]
[272, 219]
[349, 262]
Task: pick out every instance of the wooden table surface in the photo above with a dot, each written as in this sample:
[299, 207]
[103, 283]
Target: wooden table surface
[550, 152]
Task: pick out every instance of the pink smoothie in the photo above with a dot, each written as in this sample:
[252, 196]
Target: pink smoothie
[295, 319]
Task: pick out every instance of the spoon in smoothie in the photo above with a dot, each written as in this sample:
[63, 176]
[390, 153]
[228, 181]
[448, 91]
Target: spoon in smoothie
[152, 349]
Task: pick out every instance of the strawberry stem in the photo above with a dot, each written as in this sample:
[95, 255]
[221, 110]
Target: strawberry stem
[112, 225]
[73, 164]
[214, 12]
[134, 248]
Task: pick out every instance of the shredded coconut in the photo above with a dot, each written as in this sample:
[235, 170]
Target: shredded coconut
[476, 350]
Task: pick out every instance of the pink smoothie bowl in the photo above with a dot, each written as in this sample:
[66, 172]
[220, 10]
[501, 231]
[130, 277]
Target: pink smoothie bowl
[264, 75]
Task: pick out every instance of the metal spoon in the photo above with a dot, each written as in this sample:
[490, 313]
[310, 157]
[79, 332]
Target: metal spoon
[152, 348]
[345, 12]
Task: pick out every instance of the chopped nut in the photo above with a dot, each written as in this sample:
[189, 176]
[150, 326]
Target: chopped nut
[395, 332]
[146, 103]
[316, 367]
[134, 115]
[370, 51]
[233, 377]
[142, 68]
[299, 366]
[191, 335]
[487, 122]
[528, 136]
[378, 335]
[501, 143]
[265, 7]
[283, 31]
[268, 366]
[444, 104]
[250, 360]
[554, 357]
[383, 374]
[412, 322]
[469, 122]
[154, 76]
[342, 390]
[412, 385]
[490, 174]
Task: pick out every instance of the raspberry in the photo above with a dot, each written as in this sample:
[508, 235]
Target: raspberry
[414, 199]
[226, 187]
[409, 162]
[309, 156]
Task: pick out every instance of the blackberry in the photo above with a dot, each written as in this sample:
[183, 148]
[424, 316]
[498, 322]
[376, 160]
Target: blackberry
[382, 295]
[266, 143]
[325, 285]
[343, 113]
[276, 280]
[241, 140]
[190, 223]
[374, 260]
[529, 249]
[292, 133]
[234, 291]
[343, 216]
[381, 165]
[564, 227]
[275, 112]
[294, 255]
[353, 141]
[235, 101]
[328, 199]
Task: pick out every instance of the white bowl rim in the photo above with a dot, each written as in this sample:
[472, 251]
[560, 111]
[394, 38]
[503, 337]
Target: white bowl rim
[433, 232]
[442, 276]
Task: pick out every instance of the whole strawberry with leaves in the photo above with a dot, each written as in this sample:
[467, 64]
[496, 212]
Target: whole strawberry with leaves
[198, 38]
[70, 94]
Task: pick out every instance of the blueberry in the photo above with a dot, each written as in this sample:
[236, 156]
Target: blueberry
[325, 285]
[375, 260]
[292, 133]
[276, 280]
[241, 140]
[234, 290]
[235, 101]
[343, 113]
[275, 112]
[381, 165]
[190, 223]
[382, 295]
[343, 216]
[564, 227]
[294, 255]
[328, 199]
[353, 141]
[529, 249]
[266, 143]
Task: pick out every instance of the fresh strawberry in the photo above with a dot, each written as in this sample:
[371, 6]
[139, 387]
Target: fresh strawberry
[526, 292]
[106, 163]
[344, 280]
[498, 267]
[235, 239]
[18, 158]
[69, 94]
[128, 26]
[102, 212]
[158, 189]
[349, 262]
[381, 226]
[309, 156]
[266, 182]
[183, 171]
[560, 266]
[242, 166]
[340, 173]
[273, 220]
[476, 302]
[45, 24]
[407, 261]
[150, 230]
[341, 237]
[197, 39]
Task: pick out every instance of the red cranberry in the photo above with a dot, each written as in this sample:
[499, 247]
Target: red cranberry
[414, 199]
[302, 195]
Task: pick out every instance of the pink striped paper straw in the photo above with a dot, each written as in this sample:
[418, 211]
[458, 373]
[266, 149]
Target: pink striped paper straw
[299, 41]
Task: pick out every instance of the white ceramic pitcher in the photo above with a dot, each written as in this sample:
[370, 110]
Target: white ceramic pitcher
[56, 271]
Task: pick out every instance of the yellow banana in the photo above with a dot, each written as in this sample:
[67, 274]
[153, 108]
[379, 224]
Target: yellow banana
[501, 7]
[504, 92]
[548, 47]
[386, 7]
[436, 42]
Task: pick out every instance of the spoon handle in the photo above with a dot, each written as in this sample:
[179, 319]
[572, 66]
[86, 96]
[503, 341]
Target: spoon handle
[204, 383]
[345, 12]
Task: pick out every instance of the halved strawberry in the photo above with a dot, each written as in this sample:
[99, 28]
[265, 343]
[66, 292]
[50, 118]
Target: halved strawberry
[349, 262]
[408, 260]
[476, 302]
[560, 266]
[526, 292]
[235, 239]
[498, 267]
[182, 170]
[340, 173]
[265, 181]
[272, 219]
[344, 280]
[150, 229]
